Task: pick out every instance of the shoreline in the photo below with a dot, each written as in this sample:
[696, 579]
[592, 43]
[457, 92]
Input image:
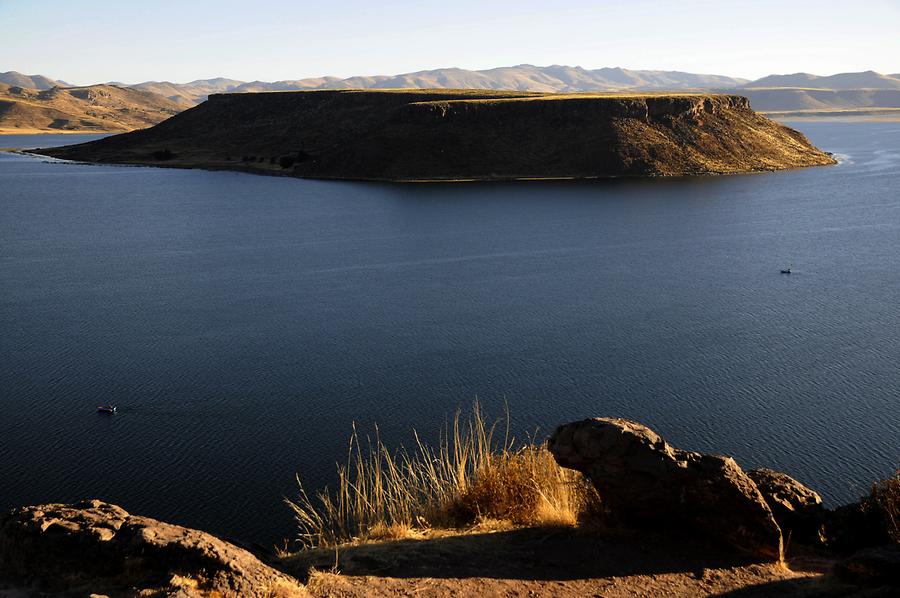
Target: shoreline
[574, 179]
[61, 132]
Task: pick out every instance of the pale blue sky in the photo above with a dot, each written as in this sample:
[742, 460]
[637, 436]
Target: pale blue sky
[89, 41]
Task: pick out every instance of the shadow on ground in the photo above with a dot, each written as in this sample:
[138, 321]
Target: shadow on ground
[569, 562]
[809, 587]
[533, 554]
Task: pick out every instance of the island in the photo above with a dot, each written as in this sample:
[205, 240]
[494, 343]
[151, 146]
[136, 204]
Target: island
[455, 135]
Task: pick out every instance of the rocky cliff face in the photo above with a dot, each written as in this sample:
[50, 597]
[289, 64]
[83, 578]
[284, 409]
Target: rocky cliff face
[449, 135]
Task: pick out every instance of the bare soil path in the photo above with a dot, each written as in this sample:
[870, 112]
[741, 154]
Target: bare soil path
[556, 562]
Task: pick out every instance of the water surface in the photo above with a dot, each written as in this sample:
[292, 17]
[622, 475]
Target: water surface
[241, 323]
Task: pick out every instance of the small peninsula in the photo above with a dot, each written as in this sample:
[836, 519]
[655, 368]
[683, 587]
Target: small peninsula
[452, 135]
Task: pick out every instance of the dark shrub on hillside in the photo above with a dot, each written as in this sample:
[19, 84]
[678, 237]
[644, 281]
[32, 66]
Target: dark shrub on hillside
[873, 521]
[289, 160]
[163, 155]
[885, 500]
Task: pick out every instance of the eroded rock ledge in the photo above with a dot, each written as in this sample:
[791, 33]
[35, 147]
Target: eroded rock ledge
[648, 484]
[414, 135]
[97, 547]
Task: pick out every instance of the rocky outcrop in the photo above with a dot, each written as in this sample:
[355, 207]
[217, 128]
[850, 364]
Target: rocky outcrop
[445, 134]
[797, 509]
[97, 547]
[647, 483]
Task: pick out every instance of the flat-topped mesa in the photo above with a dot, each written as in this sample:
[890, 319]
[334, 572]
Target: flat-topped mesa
[406, 135]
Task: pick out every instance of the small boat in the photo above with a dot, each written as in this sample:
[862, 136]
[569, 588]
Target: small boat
[786, 271]
[106, 409]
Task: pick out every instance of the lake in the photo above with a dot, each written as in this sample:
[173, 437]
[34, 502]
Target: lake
[241, 323]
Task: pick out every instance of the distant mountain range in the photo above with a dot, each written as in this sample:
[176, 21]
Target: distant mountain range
[839, 82]
[524, 77]
[799, 92]
[527, 77]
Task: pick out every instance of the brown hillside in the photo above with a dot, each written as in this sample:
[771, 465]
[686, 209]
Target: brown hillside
[781, 99]
[840, 81]
[31, 81]
[453, 134]
[188, 94]
[97, 108]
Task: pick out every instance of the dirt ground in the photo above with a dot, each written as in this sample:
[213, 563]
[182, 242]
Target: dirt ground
[557, 562]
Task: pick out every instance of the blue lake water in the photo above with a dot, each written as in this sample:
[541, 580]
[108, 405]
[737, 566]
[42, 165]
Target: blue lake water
[241, 323]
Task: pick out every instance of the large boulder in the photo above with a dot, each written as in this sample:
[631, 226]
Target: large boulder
[93, 546]
[647, 483]
[797, 509]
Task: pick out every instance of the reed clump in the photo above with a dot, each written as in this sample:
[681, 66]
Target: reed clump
[471, 477]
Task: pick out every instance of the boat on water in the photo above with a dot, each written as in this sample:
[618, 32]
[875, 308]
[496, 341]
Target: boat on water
[786, 271]
[106, 409]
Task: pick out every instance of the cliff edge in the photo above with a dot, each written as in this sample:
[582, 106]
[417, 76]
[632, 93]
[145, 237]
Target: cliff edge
[663, 522]
[93, 547]
[416, 135]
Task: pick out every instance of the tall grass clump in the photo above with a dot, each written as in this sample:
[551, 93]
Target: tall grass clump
[471, 476]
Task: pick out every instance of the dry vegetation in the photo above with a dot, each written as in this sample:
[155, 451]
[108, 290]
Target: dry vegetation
[884, 501]
[472, 477]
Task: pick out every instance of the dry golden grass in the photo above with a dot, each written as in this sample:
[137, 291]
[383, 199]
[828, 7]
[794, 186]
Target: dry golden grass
[320, 582]
[472, 477]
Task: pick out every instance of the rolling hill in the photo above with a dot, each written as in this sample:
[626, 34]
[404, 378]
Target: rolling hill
[841, 81]
[775, 100]
[96, 108]
[38, 82]
[188, 94]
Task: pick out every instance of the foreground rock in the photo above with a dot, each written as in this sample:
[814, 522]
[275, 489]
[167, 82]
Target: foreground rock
[647, 483]
[445, 134]
[96, 547]
[797, 509]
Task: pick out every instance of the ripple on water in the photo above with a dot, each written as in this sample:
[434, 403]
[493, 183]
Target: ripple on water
[242, 323]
